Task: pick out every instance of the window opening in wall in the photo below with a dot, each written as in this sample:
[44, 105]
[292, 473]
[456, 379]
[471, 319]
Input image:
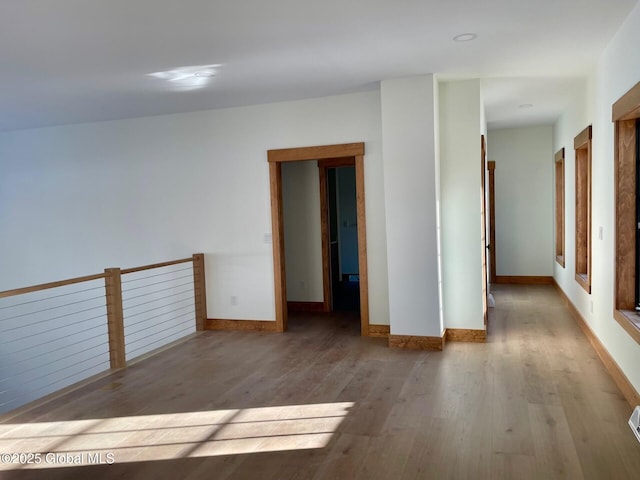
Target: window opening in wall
[637, 216]
[559, 159]
[582, 146]
[625, 115]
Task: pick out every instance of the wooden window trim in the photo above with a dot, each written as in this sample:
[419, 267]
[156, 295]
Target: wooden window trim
[625, 113]
[559, 168]
[582, 147]
[630, 321]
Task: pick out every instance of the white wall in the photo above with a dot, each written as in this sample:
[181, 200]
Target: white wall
[461, 195]
[408, 126]
[302, 231]
[76, 199]
[617, 71]
[574, 119]
[524, 194]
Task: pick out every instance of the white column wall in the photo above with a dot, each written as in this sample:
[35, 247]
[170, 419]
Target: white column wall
[409, 157]
[461, 196]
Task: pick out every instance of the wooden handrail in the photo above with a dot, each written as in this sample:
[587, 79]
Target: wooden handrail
[155, 265]
[87, 278]
[46, 286]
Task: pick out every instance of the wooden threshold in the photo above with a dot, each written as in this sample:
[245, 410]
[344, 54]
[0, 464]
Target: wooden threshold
[628, 390]
[315, 307]
[523, 280]
[242, 325]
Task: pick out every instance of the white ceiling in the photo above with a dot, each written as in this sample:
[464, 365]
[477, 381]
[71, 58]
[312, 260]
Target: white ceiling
[72, 61]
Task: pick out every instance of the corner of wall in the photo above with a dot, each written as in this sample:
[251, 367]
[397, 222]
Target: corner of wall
[460, 129]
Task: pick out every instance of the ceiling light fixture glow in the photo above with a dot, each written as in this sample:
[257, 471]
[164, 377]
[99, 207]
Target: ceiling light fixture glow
[465, 37]
[205, 74]
[188, 78]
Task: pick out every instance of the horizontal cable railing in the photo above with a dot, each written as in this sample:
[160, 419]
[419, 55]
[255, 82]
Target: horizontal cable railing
[52, 336]
[57, 334]
[158, 306]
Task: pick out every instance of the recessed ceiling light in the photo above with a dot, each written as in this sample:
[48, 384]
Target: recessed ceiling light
[204, 73]
[525, 105]
[465, 37]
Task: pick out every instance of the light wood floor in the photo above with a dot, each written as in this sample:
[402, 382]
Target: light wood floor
[319, 402]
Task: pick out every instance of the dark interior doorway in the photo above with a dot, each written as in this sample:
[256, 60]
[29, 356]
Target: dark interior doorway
[343, 238]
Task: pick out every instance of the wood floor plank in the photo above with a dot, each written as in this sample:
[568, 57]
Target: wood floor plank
[387, 455]
[510, 425]
[472, 443]
[555, 451]
[594, 449]
[346, 458]
[434, 453]
[371, 412]
[513, 466]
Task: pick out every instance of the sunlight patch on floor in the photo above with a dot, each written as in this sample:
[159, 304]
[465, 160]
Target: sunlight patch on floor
[169, 436]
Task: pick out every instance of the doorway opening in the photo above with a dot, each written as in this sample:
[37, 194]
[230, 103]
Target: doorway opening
[483, 236]
[491, 166]
[328, 157]
[339, 219]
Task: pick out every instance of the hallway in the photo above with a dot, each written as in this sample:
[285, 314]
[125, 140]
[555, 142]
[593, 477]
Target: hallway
[322, 402]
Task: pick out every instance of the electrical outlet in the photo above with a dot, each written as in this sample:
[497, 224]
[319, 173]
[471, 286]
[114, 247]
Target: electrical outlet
[234, 300]
[600, 233]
